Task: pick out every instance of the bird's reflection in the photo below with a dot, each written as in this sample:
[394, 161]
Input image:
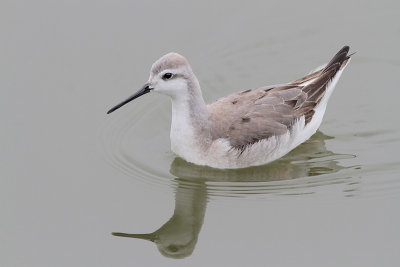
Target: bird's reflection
[178, 236]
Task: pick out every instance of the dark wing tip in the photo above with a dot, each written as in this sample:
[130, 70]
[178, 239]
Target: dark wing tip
[345, 48]
[339, 58]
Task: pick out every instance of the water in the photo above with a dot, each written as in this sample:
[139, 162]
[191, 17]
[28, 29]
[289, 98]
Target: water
[72, 176]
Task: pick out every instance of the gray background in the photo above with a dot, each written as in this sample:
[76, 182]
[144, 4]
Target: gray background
[70, 175]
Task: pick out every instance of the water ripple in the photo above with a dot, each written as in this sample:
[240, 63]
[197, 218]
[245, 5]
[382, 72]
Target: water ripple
[141, 150]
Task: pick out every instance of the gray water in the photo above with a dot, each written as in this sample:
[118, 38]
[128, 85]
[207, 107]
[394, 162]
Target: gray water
[72, 175]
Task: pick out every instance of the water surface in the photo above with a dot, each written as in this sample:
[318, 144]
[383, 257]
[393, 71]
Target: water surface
[76, 183]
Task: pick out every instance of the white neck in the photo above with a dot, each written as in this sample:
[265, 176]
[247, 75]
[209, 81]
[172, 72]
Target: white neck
[189, 128]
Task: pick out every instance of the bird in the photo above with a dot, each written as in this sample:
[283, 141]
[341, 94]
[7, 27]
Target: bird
[249, 128]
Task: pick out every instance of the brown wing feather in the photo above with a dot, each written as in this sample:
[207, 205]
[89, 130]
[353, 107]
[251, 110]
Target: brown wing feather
[272, 114]
[253, 115]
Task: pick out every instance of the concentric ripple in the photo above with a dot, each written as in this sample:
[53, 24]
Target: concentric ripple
[136, 142]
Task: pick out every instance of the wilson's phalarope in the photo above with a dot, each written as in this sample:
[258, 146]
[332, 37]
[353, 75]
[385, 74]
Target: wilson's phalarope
[245, 129]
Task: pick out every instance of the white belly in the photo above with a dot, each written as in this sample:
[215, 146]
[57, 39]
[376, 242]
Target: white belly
[221, 155]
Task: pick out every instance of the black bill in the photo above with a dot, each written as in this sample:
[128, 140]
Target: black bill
[144, 90]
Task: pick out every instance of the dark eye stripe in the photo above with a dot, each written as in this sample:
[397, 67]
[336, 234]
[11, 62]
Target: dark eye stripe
[167, 76]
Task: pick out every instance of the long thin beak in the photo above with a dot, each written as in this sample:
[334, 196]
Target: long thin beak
[144, 90]
[151, 237]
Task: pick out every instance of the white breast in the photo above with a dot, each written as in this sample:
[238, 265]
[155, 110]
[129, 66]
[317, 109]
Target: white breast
[184, 142]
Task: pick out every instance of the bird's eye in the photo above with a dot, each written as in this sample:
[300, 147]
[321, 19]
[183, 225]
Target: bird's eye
[167, 76]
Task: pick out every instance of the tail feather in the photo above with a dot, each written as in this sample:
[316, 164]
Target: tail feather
[316, 84]
[337, 62]
[339, 58]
